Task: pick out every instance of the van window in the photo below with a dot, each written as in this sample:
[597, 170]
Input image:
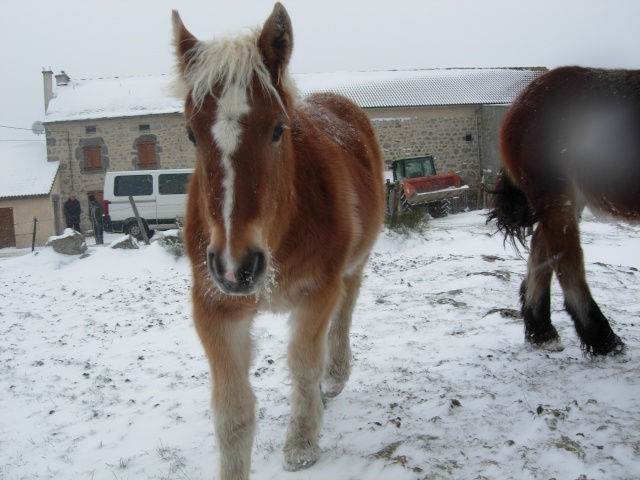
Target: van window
[125, 185]
[173, 183]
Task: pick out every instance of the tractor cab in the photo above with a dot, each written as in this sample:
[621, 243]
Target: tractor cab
[413, 168]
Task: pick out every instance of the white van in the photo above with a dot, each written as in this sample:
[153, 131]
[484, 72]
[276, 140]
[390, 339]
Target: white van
[160, 196]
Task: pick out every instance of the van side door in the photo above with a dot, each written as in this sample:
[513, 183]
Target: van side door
[172, 195]
[141, 187]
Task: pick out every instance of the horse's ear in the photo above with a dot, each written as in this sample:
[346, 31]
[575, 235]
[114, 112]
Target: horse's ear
[183, 40]
[276, 41]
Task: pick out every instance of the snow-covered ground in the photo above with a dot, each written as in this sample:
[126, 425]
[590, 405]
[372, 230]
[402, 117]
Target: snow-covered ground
[103, 376]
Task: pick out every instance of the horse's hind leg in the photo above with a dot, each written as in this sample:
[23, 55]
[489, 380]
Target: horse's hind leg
[535, 296]
[338, 365]
[561, 233]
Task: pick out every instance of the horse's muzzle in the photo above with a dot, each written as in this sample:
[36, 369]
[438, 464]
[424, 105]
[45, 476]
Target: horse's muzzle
[245, 279]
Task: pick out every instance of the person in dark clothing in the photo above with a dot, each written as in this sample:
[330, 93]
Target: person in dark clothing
[95, 215]
[72, 212]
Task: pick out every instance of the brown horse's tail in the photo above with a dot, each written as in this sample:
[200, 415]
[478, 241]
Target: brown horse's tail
[511, 211]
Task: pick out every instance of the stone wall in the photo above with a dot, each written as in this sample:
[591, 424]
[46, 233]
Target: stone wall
[118, 139]
[492, 118]
[455, 136]
[449, 134]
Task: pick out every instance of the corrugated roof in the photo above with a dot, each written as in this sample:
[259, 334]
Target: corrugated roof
[121, 97]
[25, 171]
[419, 88]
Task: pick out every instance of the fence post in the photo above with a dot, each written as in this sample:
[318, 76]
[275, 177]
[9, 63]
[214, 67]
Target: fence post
[139, 220]
[33, 240]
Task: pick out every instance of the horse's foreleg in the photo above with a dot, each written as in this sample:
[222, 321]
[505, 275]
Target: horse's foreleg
[535, 296]
[227, 341]
[338, 367]
[307, 350]
[563, 242]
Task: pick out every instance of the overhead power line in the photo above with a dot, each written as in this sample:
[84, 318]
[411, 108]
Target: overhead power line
[29, 140]
[15, 128]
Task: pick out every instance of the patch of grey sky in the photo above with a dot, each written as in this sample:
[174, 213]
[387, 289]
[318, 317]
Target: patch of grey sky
[121, 38]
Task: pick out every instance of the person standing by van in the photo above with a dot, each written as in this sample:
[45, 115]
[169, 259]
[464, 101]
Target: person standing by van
[72, 212]
[95, 215]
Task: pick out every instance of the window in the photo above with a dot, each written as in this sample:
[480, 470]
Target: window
[144, 128]
[414, 169]
[125, 185]
[146, 154]
[90, 130]
[173, 183]
[92, 157]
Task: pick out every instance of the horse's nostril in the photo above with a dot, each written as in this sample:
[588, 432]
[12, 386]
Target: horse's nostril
[240, 280]
[253, 266]
[215, 265]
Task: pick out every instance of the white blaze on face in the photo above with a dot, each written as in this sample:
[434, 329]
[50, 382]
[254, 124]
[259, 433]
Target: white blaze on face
[227, 131]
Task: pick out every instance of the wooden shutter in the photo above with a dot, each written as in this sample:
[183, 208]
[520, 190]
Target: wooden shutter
[92, 157]
[146, 154]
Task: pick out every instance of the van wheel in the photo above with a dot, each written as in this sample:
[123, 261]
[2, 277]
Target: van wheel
[132, 228]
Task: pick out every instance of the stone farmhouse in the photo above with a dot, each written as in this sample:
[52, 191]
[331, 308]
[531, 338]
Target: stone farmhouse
[111, 124]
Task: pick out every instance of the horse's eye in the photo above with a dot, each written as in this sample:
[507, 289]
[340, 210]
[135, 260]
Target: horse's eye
[277, 132]
[191, 136]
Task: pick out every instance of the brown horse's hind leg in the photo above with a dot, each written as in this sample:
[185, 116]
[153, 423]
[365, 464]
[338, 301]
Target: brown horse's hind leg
[535, 296]
[562, 236]
[307, 349]
[338, 367]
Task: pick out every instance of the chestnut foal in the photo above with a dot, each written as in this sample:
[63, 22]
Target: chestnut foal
[285, 204]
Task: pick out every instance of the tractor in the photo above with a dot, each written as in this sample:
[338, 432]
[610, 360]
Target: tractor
[417, 185]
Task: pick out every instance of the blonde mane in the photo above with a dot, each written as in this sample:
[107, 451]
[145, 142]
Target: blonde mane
[229, 61]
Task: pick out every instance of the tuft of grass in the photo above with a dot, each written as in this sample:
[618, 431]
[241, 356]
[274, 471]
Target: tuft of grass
[174, 244]
[414, 221]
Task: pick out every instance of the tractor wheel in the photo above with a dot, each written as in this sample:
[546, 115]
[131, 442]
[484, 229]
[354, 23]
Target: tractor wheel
[440, 209]
[403, 205]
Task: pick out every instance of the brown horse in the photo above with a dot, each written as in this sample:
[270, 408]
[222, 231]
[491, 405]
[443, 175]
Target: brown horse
[571, 139]
[285, 204]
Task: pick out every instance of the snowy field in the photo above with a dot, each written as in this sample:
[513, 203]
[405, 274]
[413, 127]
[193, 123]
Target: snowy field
[103, 376]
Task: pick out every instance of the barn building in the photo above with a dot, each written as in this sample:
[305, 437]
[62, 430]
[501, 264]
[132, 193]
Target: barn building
[110, 124]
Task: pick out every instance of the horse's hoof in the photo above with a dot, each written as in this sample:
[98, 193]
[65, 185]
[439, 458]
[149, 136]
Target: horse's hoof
[554, 345]
[612, 346]
[296, 458]
[331, 389]
[617, 346]
[295, 467]
[619, 349]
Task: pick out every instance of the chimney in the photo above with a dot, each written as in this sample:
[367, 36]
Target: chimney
[47, 76]
[62, 78]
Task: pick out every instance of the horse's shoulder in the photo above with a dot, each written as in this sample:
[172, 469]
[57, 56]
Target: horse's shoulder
[329, 103]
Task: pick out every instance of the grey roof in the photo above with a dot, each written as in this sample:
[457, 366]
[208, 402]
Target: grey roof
[418, 88]
[85, 99]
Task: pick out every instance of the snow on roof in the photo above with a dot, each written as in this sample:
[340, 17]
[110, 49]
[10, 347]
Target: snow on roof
[133, 96]
[113, 97]
[420, 88]
[25, 171]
